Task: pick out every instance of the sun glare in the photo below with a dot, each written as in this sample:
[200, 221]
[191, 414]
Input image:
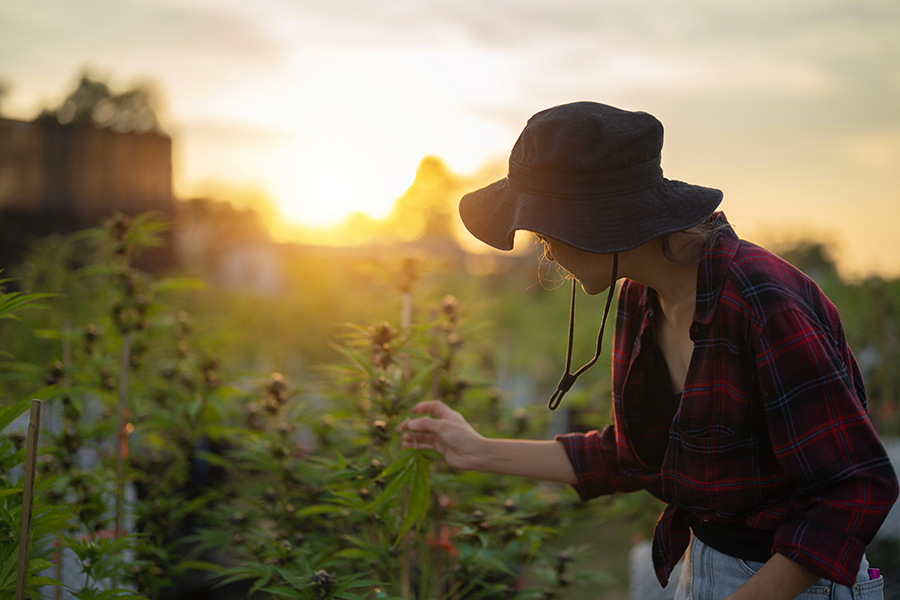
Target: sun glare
[330, 185]
[365, 122]
[345, 133]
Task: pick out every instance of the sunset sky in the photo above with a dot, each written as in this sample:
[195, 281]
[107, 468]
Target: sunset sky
[791, 108]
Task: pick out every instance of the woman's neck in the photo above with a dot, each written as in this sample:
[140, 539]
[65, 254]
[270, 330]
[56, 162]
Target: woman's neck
[677, 293]
[675, 282]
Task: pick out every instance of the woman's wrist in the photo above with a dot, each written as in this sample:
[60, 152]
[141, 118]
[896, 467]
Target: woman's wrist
[479, 453]
[545, 460]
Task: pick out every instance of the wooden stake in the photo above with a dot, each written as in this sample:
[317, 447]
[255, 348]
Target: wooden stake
[34, 429]
[406, 311]
[122, 436]
[435, 373]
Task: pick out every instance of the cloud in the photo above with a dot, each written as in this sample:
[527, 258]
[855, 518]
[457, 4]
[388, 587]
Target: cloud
[45, 44]
[568, 47]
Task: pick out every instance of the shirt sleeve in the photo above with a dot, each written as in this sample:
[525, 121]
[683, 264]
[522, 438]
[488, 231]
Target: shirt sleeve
[595, 460]
[823, 439]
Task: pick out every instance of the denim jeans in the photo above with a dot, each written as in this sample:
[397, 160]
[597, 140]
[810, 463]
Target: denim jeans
[708, 574]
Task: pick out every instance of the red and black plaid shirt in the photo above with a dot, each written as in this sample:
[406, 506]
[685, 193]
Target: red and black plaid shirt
[771, 431]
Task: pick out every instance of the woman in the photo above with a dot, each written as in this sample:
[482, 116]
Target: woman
[735, 397]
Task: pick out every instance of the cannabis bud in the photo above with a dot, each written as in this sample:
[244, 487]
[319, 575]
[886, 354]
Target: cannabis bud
[450, 308]
[322, 581]
[380, 432]
[55, 373]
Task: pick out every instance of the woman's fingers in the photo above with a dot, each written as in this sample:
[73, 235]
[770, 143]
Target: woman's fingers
[445, 431]
[435, 407]
[419, 438]
[423, 441]
[426, 424]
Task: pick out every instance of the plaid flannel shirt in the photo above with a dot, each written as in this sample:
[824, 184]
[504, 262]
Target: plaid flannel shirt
[771, 431]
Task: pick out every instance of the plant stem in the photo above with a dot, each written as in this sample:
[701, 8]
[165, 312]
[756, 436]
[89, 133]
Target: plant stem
[406, 323]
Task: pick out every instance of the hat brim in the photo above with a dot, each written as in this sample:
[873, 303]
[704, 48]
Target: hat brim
[601, 225]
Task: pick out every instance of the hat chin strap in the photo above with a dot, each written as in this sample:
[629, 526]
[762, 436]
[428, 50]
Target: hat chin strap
[568, 379]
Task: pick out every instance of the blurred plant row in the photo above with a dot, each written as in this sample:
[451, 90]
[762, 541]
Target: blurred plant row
[166, 467]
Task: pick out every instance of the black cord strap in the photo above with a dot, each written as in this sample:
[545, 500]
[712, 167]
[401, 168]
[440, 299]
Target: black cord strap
[568, 378]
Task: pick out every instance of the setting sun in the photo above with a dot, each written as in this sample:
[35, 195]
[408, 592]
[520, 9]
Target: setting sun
[352, 127]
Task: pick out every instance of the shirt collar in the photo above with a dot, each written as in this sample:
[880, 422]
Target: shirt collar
[718, 254]
[715, 262]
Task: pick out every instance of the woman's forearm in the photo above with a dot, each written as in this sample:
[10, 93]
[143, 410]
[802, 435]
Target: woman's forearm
[779, 579]
[436, 426]
[545, 460]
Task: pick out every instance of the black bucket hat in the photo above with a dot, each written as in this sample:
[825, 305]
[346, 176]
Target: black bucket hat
[589, 175]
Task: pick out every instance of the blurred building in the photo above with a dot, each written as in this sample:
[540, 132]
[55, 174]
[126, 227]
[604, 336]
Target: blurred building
[227, 246]
[71, 168]
[63, 178]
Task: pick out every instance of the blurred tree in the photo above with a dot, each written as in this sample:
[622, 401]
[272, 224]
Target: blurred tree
[879, 354]
[425, 209]
[93, 103]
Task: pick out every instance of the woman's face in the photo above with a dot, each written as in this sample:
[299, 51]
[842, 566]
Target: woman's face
[593, 271]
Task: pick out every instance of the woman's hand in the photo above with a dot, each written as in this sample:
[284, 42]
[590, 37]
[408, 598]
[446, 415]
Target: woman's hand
[780, 578]
[446, 432]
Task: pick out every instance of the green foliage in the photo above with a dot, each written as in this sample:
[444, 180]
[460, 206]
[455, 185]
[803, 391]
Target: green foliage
[308, 493]
[297, 485]
[93, 269]
[410, 472]
[46, 519]
[11, 303]
[101, 559]
[358, 506]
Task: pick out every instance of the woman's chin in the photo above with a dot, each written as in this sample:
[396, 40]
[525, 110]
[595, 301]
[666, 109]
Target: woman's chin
[593, 289]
